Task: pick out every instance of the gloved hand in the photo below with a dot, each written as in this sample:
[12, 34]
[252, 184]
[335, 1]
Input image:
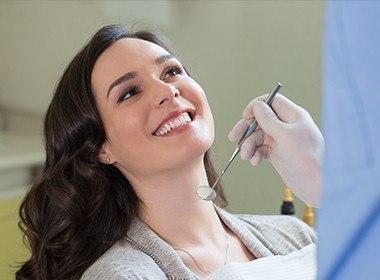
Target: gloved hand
[289, 139]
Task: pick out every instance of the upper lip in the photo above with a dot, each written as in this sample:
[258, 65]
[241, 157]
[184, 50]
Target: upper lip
[173, 115]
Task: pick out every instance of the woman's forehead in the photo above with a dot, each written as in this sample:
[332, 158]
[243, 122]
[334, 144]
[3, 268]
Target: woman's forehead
[133, 49]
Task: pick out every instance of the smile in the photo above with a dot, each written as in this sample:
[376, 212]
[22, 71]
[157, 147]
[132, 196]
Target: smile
[174, 124]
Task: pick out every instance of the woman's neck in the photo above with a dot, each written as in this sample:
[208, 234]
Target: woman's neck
[173, 210]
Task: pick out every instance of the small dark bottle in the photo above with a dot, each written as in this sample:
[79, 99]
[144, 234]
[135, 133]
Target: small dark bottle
[287, 207]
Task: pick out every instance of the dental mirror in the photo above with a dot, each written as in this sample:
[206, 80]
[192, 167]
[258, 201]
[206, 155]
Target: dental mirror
[208, 193]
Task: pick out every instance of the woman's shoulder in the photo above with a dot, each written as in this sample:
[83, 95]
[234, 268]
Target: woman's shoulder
[284, 231]
[123, 261]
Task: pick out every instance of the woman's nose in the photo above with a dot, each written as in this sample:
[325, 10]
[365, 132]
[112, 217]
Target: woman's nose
[165, 94]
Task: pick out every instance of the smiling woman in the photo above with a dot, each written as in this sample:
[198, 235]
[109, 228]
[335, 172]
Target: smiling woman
[128, 136]
[97, 130]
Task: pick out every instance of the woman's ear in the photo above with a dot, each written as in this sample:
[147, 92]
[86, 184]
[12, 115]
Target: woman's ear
[105, 154]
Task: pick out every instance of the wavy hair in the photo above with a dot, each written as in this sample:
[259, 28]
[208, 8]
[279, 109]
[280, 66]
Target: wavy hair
[78, 207]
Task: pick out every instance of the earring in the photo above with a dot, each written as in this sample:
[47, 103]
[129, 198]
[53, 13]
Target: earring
[108, 160]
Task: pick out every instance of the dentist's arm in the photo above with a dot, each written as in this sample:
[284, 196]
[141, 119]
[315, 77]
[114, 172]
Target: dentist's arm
[289, 139]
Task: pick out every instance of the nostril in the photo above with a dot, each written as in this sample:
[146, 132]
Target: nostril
[162, 101]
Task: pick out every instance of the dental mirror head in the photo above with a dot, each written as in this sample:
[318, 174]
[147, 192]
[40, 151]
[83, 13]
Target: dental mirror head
[206, 193]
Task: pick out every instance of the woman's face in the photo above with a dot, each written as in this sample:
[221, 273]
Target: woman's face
[156, 117]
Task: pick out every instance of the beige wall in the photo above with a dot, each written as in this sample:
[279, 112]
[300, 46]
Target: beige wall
[236, 51]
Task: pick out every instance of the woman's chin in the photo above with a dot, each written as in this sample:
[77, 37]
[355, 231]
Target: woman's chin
[184, 157]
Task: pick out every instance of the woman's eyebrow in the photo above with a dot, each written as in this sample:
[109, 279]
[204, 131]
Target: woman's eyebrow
[122, 79]
[159, 60]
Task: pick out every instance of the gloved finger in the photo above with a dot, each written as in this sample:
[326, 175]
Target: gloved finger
[248, 113]
[256, 159]
[262, 152]
[285, 109]
[250, 144]
[267, 119]
[238, 131]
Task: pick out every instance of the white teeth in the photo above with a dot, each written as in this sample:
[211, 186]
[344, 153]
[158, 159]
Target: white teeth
[177, 122]
[172, 124]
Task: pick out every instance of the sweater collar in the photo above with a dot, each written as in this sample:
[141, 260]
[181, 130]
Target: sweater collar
[141, 234]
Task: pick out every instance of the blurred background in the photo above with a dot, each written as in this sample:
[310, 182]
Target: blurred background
[236, 50]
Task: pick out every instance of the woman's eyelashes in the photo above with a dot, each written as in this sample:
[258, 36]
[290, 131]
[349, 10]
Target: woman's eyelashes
[171, 71]
[174, 70]
[128, 93]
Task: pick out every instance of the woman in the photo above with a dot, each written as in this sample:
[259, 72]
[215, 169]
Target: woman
[128, 136]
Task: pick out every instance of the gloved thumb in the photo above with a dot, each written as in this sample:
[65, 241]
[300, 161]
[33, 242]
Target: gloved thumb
[267, 119]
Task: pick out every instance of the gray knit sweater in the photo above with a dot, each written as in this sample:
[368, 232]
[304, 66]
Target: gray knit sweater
[143, 255]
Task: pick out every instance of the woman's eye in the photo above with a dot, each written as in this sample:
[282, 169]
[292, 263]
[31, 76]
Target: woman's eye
[128, 94]
[174, 71]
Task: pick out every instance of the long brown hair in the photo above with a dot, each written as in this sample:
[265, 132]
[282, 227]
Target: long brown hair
[78, 207]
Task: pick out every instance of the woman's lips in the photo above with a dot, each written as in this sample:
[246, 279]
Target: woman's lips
[174, 123]
[173, 120]
[179, 128]
[176, 130]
